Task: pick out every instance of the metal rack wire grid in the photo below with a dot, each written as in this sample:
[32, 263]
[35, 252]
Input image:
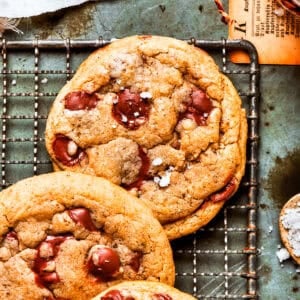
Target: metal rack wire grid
[218, 261]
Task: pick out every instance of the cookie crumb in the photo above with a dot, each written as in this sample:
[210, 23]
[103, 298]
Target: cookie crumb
[14, 82]
[44, 80]
[4, 254]
[50, 266]
[188, 124]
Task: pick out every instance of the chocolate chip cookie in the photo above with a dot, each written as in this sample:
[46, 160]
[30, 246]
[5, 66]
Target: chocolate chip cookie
[142, 290]
[157, 117]
[67, 235]
[289, 227]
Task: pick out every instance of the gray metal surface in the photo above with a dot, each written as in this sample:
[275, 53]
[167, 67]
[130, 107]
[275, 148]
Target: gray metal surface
[279, 146]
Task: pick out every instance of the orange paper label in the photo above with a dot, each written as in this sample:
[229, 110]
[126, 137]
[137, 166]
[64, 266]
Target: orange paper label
[276, 38]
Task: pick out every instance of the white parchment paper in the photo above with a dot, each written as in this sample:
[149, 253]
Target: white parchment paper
[28, 8]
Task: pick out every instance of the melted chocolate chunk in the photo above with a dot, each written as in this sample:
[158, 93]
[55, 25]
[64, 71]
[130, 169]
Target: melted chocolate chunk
[143, 173]
[64, 153]
[131, 110]
[135, 261]
[44, 276]
[82, 216]
[115, 295]
[80, 100]
[199, 108]
[160, 296]
[12, 235]
[225, 193]
[104, 263]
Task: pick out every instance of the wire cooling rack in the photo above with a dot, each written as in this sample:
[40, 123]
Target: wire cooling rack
[218, 261]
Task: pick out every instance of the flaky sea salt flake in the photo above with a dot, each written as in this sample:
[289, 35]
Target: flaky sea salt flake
[157, 161]
[282, 254]
[165, 180]
[146, 95]
[156, 179]
[124, 119]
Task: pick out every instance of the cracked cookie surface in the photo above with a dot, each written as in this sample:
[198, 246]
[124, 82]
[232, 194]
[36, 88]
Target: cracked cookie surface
[156, 116]
[70, 236]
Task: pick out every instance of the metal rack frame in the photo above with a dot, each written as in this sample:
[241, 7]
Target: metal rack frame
[20, 128]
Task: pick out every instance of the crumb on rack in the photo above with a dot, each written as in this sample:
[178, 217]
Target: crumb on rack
[270, 229]
[282, 254]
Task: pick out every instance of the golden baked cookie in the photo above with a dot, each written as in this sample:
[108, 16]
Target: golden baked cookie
[142, 290]
[289, 227]
[156, 116]
[66, 235]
